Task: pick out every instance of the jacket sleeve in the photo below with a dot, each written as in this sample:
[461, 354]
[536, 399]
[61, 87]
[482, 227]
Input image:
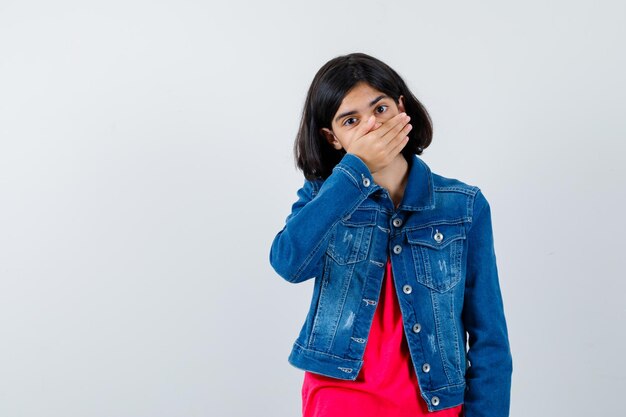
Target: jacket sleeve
[490, 363]
[296, 253]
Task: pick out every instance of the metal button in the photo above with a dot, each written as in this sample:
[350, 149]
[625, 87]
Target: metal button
[407, 289]
[426, 367]
[438, 237]
[397, 222]
[397, 249]
[366, 182]
[434, 401]
[417, 327]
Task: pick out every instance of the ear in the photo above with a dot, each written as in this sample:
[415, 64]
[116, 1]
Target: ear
[401, 103]
[330, 137]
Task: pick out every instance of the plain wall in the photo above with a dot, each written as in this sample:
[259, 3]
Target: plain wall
[146, 166]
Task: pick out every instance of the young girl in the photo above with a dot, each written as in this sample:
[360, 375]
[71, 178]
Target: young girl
[406, 317]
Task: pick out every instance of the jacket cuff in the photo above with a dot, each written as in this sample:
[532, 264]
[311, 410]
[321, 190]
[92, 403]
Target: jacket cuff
[354, 167]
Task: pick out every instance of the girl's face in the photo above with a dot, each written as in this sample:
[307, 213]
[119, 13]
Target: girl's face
[356, 107]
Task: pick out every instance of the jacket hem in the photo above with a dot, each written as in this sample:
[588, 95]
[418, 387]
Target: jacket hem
[324, 363]
[348, 369]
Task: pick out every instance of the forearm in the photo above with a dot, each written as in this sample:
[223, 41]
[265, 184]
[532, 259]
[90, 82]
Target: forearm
[297, 250]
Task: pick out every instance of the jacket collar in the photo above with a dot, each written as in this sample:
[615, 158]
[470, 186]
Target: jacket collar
[419, 193]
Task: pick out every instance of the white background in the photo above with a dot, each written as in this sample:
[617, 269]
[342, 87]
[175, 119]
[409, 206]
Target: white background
[146, 165]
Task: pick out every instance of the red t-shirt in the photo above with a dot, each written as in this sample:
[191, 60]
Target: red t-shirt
[386, 384]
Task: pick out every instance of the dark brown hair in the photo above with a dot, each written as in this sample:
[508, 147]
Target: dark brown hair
[313, 154]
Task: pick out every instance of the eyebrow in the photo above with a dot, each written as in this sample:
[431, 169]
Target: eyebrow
[348, 113]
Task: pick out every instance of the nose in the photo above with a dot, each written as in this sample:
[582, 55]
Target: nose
[382, 118]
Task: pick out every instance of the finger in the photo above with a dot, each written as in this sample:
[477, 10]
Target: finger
[396, 122]
[399, 145]
[367, 126]
[396, 144]
[400, 129]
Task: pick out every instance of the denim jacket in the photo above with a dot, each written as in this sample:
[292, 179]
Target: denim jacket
[340, 232]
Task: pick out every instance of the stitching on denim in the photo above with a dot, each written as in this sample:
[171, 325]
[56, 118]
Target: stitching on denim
[458, 220]
[474, 213]
[442, 352]
[317, 352]
[369, 302]
[335, 323]
[323, 284]
[385, 211]
[438, 247]
[346, 219]
[358, 339]
[431, 192]
[316, 188]
[428, 273]
[457, 350]
[422, 347]
[349, 174]
[346, 370]
[457, 261]
[454, 189]
[417, 260]
[383, 229]
[380, 264]
[307, 260]
[343, 305]
[447, 387]
[415, 208]
[364, 236]
[470, 204]
[352, 255]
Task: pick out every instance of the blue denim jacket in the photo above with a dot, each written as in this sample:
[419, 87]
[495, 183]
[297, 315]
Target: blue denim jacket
[340, 232]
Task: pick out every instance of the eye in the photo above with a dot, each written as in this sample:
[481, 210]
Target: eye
[382, 108]
[349, 121]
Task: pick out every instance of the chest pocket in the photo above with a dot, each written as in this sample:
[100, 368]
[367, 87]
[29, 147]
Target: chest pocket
[350, 239]
[437, 254]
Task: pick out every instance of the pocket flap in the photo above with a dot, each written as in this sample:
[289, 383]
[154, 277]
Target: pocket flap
[436, 236]
[360, 217]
